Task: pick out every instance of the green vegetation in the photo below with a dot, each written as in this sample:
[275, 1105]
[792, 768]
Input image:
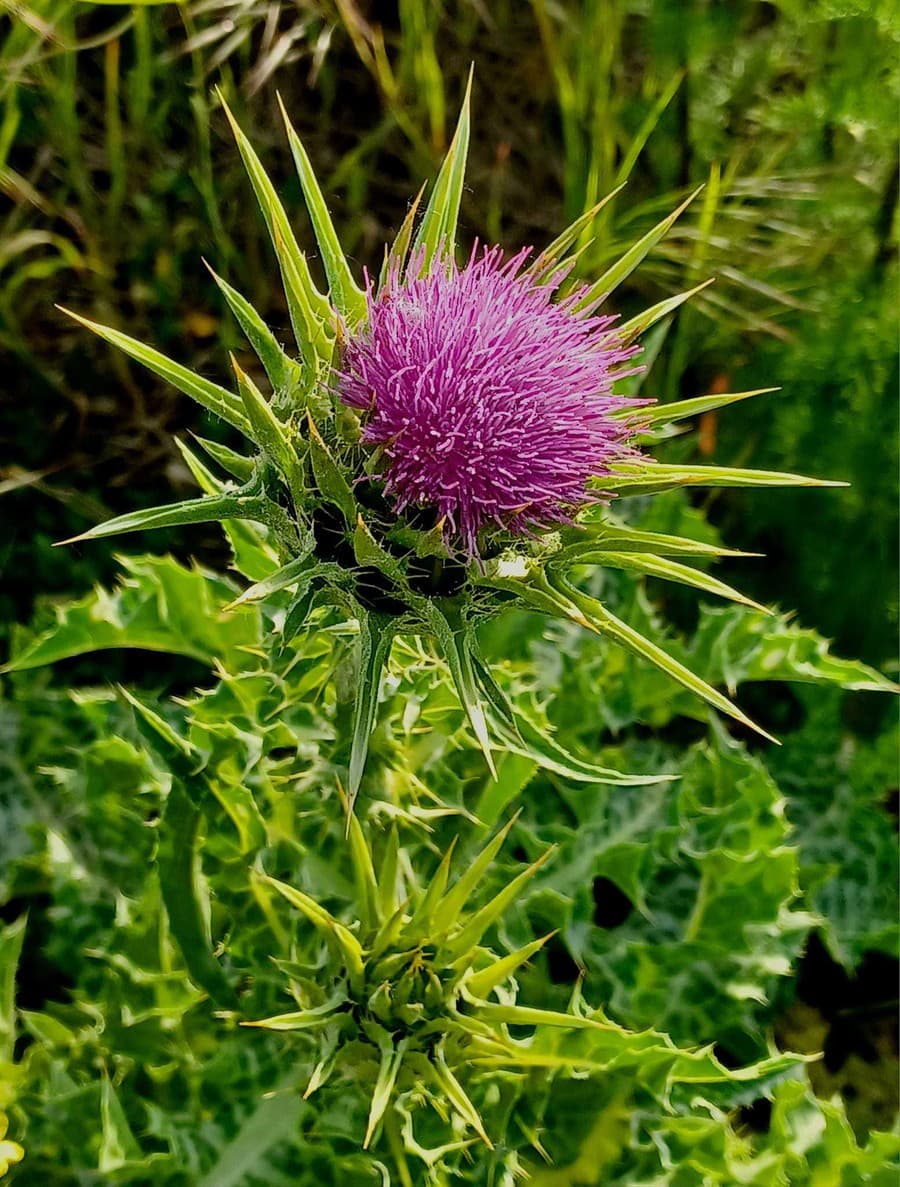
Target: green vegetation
[207, 976]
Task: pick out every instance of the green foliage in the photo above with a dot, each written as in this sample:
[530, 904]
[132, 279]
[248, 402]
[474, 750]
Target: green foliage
[169, 819]
[138, 828]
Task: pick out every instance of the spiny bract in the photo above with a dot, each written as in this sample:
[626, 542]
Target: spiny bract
[427, 433]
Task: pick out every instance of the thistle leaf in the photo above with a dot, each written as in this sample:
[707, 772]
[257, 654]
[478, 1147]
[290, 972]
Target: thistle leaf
[368, 903]
[622, 269]
[210, 395]
[452, 640]
[310, 310]
[494, 1012]
[284, 374]
[206, 510]
[653, 477]
[376, 634]
[603, 622]
[483, 982]
[253, 556]
[437, 230]
[668, 570]
[179, 755]
[236, 464]
[627, 539]
[346, 296]
[391, 1059]
[300, 607]
[398, 255]
[368, 551]
[638, 325]
[419, 925]
[329, 477]
[454, 1092]
[539, 745]
[268, 431]
[454, 902]
[303, 1019]
[177, 862]
[469, 936]
[387, 876]
[664, 414]
[292, 573]
[188, 763]
[346, 941]
[543, 264]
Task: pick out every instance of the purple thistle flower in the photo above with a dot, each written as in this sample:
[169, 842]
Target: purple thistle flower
[490, 400]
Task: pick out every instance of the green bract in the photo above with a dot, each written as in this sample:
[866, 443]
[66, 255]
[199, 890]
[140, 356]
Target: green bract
[296, 500]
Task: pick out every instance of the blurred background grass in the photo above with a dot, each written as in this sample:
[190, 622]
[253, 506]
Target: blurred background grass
[118, 174]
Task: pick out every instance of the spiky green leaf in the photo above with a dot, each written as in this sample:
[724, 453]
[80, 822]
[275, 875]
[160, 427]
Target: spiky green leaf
[622, 269]
[283, 372]
[210, 395]
[346, 296]
[437, 230]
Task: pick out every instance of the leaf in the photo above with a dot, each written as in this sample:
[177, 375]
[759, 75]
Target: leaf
[274, 1120]
[664, 414]
[453, 1090]
[368, 551]
[512, 1015]
[118, 1145]
[376, 634]
[158, 606]
[391, 1059]
[542, 265]
[483, 982]
[622, 269]
[387, 874]
[309, 309]
[302, 1019]
[454, 902]
[737, 646]
[11, 939]
[635, 326]
[283, 372]
[668, 570]
[179, 880]
[253, 555]
[604, 622]
[627, 539]
[368, 902]
[210, 395]
[295, 572]
[236, 464]
[437, 230]
[347, 943]
[462, 942]
[539, 745]
[269, 433]
[398, 255]
[648, 478]
[453, 642]
[329, 477]
[346, 296]
[210, 509]
[179, 755]
[419, 926]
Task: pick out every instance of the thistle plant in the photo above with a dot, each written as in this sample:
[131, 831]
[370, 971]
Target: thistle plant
[442, 444]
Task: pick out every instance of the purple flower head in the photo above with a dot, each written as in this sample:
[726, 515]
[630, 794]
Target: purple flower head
[490, 400]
